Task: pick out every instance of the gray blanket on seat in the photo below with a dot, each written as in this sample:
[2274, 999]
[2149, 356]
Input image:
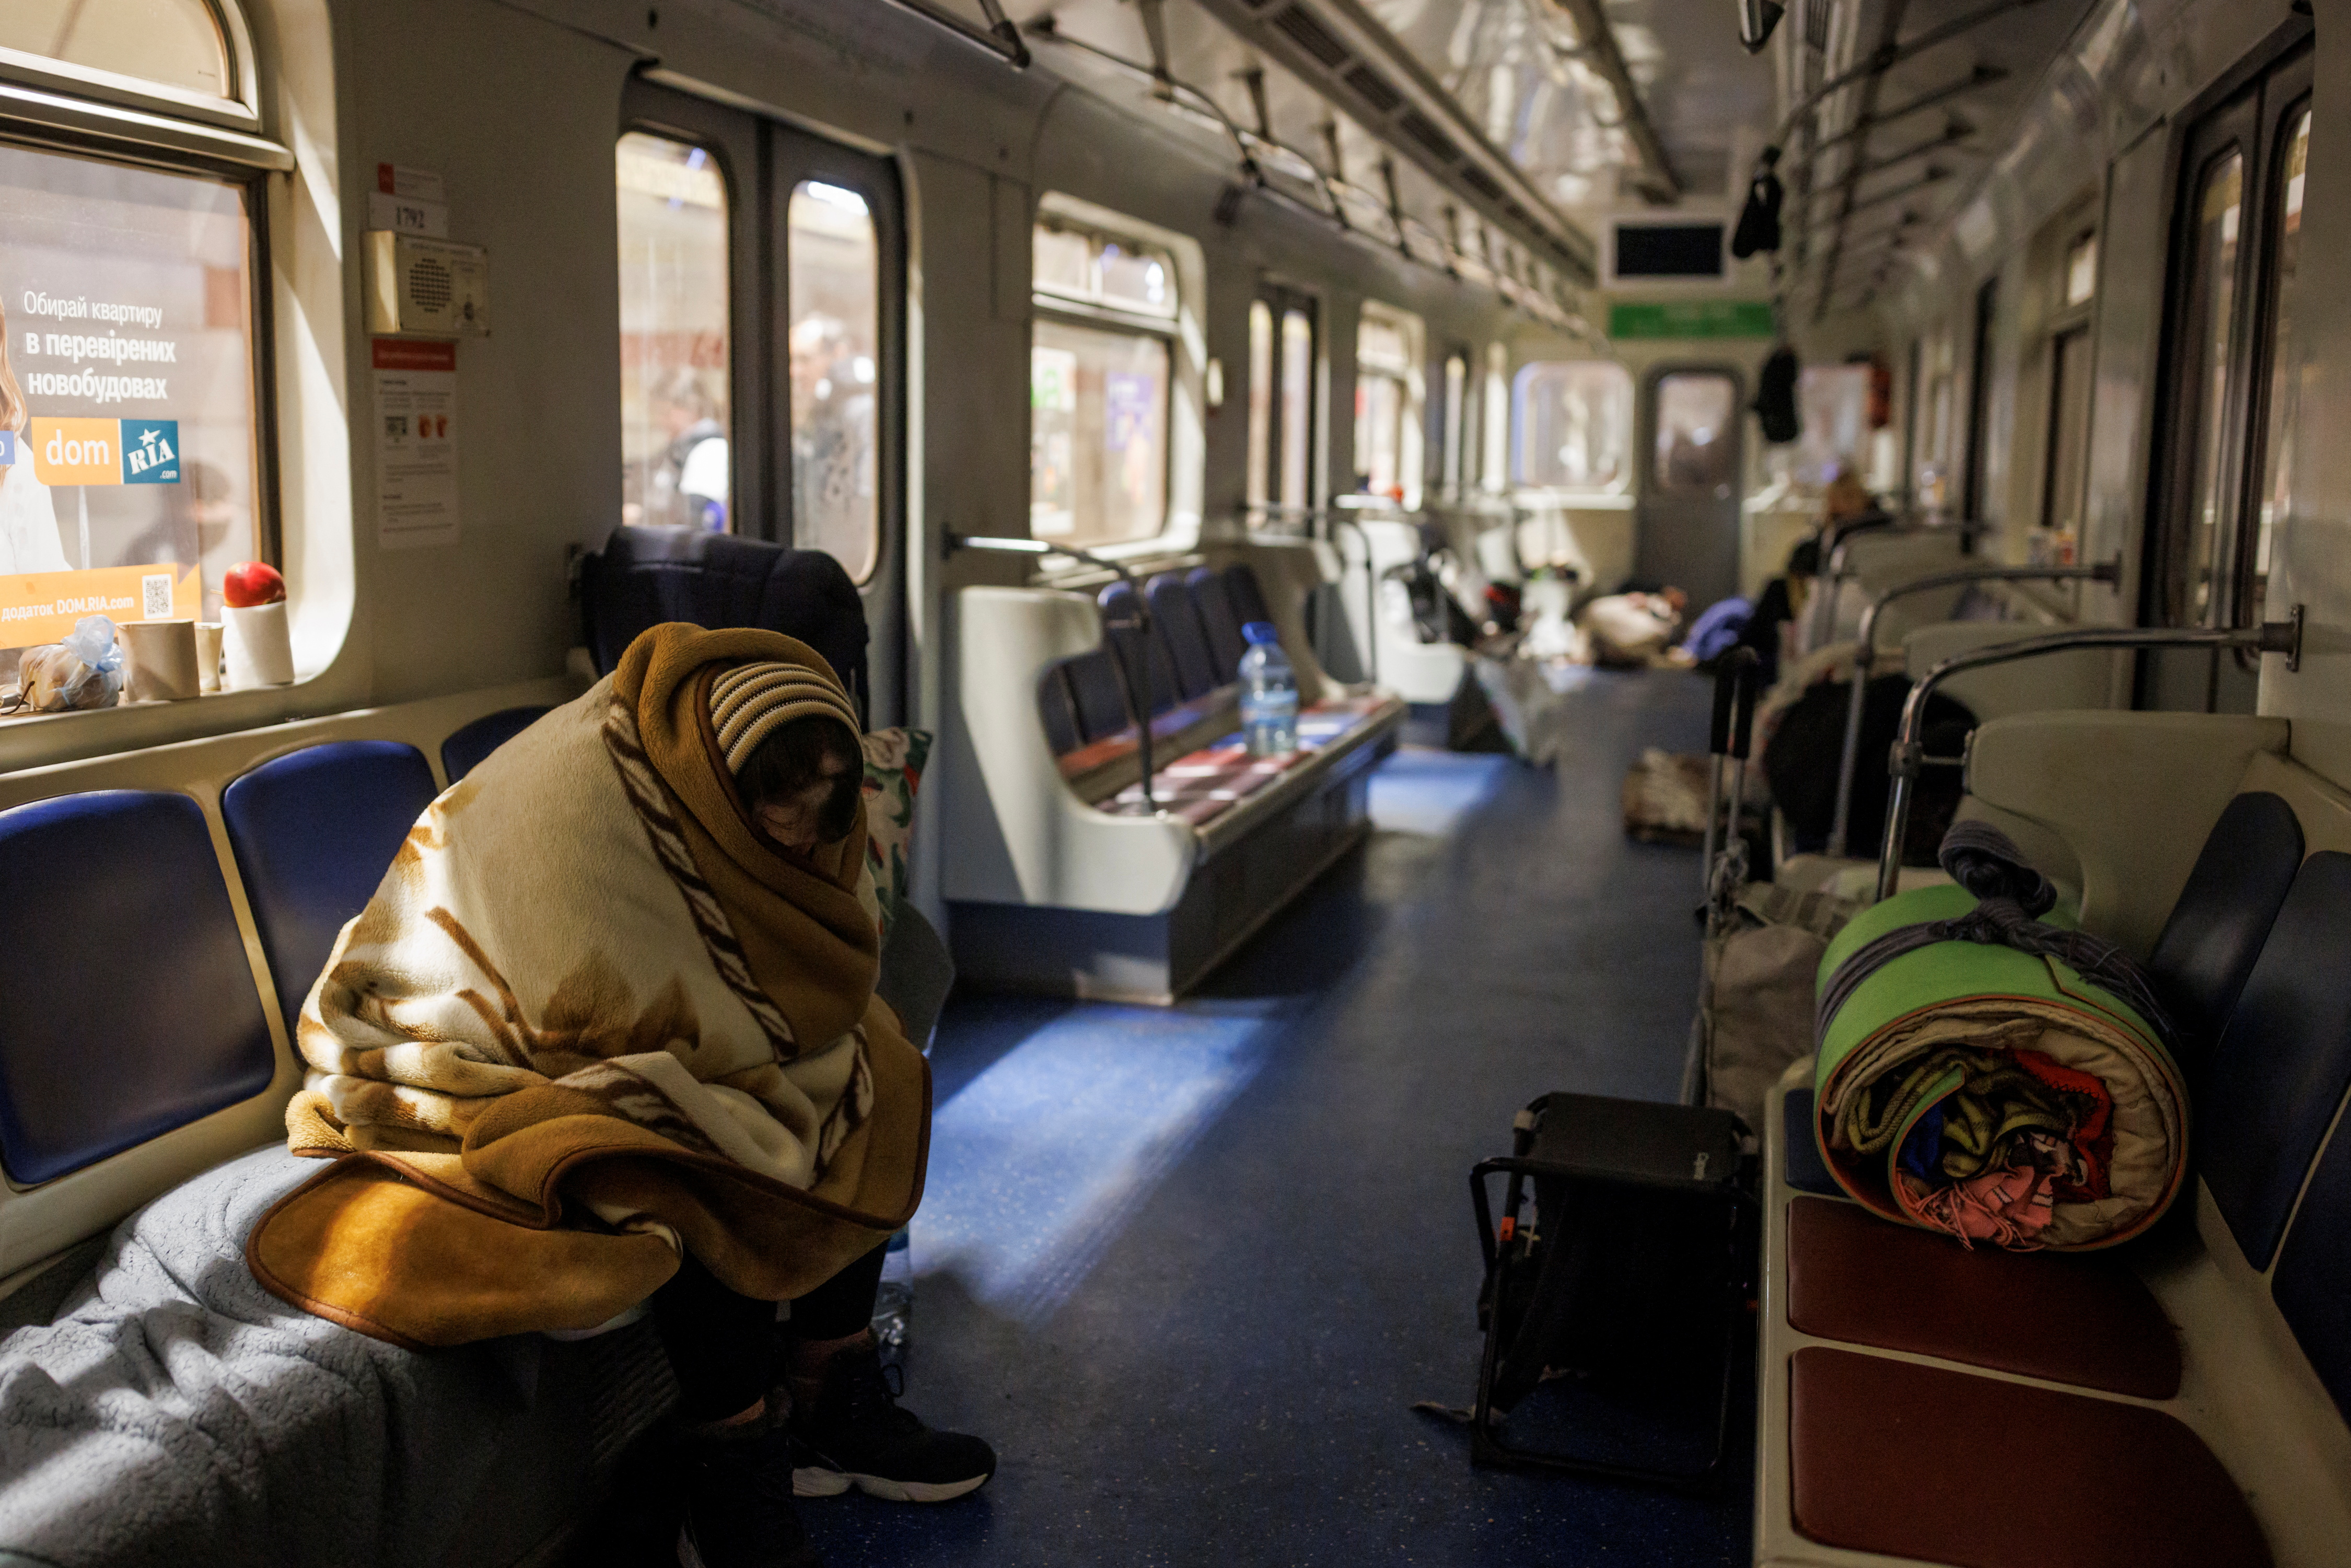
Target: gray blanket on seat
[175, 1413]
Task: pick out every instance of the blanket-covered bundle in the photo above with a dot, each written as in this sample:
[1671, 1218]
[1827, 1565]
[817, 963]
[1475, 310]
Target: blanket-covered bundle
[1986, 1073]
[593, 1017]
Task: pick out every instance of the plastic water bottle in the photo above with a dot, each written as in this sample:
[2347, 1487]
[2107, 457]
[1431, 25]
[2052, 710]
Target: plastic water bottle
[1268, 694]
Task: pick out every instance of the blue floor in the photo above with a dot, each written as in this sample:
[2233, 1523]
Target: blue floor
[1189, 1268]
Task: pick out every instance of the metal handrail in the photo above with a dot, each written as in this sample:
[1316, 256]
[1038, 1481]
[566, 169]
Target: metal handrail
[1138, 702]
[1840, 536]
[1867, 658]
[1908, 756]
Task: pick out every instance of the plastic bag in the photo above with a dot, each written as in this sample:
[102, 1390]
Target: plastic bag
[84, 671]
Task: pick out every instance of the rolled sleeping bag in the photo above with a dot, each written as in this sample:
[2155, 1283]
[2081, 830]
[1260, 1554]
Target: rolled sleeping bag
[1992, 1074]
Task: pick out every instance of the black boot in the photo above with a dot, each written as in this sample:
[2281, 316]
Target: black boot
[738, 1504]
[855, 1435]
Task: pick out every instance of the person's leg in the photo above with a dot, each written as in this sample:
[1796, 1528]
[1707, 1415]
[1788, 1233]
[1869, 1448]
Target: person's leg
[721, 1346]
[845, 1414]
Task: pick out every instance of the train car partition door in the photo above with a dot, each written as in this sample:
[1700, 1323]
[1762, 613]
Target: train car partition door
[763, 345]
[1688, 522]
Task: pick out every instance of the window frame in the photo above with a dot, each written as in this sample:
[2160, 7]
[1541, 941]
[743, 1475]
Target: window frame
[238, 111]
[1097, 316]
[246, 164]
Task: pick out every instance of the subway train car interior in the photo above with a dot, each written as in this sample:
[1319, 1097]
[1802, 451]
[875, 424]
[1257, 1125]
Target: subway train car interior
[1371, 781]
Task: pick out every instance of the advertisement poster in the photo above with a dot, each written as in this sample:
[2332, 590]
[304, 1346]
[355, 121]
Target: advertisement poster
[416, 443]
[127, 454]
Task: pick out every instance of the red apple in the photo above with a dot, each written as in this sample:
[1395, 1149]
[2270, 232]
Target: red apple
[252, 582]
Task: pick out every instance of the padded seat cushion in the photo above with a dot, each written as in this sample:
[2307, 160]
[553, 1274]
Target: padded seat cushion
[1949, 1466]
[1205, 784]
[127, 1003]
[2311, 1286]
[1218, 618]
[2084, 1320]
[2269, 1092]
[1806, 1170]
[469, 746]
[2215, 933]
[314, 832]
[1177, 619]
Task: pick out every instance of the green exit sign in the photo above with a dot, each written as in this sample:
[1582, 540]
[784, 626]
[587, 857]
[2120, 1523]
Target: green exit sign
[1692, 319]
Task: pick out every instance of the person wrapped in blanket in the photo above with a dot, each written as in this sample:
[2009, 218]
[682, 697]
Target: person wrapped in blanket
[1991, 1075]
[605, 1037]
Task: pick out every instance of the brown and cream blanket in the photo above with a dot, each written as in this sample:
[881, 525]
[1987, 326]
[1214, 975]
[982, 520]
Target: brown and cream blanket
[593, 1018]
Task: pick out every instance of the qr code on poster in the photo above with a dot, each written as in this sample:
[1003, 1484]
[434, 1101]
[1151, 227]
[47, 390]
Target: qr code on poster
[155, 596]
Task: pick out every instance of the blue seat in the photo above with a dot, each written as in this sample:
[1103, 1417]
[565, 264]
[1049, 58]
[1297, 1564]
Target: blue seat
[1248, 598]
[646, 576]
[2312, 1282]
[314, 832]
[1099, 695]
[2270, 1093]
[1214, 602]
[1142, 652]
[2223, 915]
[1807, 1172]
[1060, 710]
[1177, 619]
[466, 746]
[127, 1003]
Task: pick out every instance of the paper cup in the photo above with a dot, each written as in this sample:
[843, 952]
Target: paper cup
[208, 655]
[260, 653]
[161, 660]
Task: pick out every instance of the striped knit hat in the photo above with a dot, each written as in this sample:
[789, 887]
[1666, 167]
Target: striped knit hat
[748, 702]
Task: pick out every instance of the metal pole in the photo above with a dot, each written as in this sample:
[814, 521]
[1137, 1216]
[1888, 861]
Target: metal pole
[1867, 658]
[2271, 637]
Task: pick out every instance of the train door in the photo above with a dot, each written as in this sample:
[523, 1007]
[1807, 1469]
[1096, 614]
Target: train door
[763, 332]
[2222, 474]
[1280, 476]
[1688, 534]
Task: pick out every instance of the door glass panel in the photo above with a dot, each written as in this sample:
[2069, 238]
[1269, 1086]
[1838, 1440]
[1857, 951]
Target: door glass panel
[834, 343]
[2286, 380]
[1296, 407]
[1379, 434]
[128, 475]
[1260, 399]
[1696, 445]
[676, 433]
[2220, 214]
[1098, 434]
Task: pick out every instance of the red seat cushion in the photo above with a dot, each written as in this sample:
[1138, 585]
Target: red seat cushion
[1952, 1468]
[2081, 1318]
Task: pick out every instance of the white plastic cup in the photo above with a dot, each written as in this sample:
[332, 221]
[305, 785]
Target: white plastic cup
[161, 656]
[260, 650]
[208, 655]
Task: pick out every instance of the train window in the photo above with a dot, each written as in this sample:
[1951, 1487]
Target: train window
[130, 469]
[1930, 423]
[1456, 423]
[1101, 385]
[1574, 420]
[1388, 404]
[2284, 404]
[2081, 270]
[1260, 399]
[1296, 407]
[676, 431]
[1833, 401]
[1098, 434]
[2069, 441]
[175, 43]
[1495, 463]
[1980, 431]
[833, 343]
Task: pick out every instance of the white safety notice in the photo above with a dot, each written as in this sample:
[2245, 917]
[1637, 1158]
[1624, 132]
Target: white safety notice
[416, 443]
